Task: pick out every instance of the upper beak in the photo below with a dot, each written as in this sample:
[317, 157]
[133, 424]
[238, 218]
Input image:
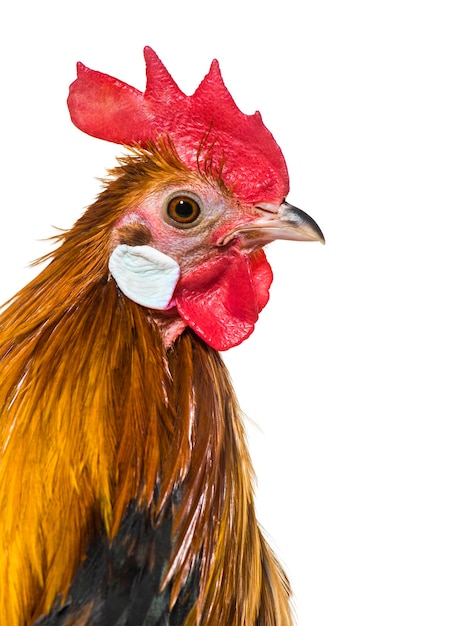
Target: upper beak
[285, 222]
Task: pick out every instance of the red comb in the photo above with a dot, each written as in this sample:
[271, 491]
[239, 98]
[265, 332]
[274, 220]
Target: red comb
[205, 127]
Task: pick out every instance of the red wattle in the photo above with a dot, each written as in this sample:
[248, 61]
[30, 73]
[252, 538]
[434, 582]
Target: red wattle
[221, 299]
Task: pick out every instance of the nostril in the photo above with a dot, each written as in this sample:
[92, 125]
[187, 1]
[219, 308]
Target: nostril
[268, 207]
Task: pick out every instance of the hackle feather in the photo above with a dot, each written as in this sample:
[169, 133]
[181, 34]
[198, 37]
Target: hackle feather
[96, 415]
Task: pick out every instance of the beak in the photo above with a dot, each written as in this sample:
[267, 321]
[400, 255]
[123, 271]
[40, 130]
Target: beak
[283, 222]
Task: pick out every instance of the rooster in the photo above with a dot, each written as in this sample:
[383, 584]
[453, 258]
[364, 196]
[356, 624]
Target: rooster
[126, 491]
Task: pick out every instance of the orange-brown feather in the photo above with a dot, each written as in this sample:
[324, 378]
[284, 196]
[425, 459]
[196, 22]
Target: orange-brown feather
[94, 413]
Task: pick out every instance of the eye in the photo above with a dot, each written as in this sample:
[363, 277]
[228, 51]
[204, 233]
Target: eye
[183, 209]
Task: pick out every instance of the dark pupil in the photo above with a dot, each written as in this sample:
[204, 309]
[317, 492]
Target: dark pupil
[184, 209]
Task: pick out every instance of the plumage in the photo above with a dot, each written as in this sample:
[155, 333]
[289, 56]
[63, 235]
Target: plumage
[125, 482]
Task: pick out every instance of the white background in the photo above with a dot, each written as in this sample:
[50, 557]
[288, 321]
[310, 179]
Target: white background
[357, 374]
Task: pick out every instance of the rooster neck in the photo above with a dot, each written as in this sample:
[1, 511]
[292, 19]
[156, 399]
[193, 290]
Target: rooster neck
[102, 420]
[99, 420]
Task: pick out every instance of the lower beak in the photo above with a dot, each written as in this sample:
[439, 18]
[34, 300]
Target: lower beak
[287, 222]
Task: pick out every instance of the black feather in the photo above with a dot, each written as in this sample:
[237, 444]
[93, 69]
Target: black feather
[119, 582]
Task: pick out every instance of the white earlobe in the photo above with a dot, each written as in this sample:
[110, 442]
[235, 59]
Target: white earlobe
[145, 275]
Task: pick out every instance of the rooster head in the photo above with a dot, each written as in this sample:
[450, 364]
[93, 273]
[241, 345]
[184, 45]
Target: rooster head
[188, 244]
